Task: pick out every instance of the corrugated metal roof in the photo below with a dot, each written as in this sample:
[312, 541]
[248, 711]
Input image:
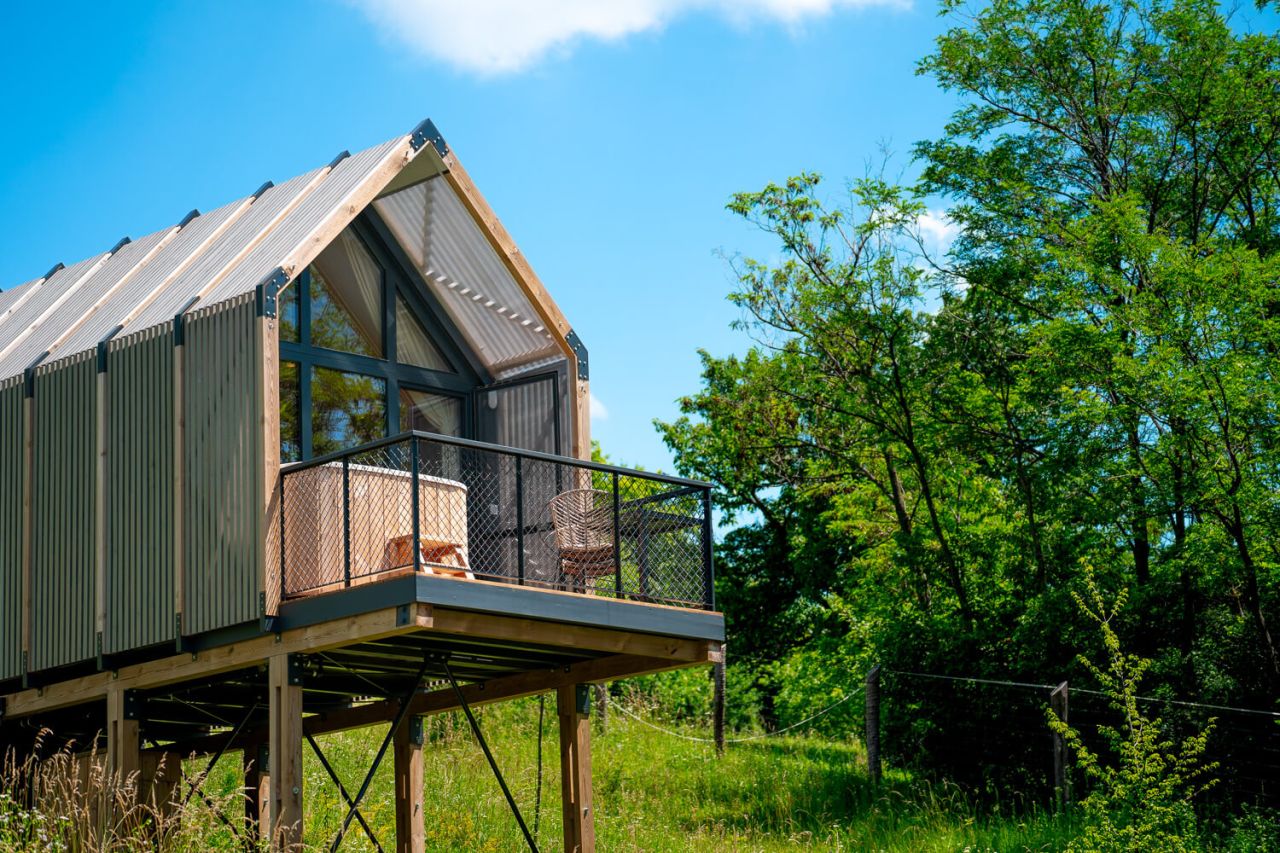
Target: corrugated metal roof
[73, 306]
[138, 292]
[223, 254]
[458, 263]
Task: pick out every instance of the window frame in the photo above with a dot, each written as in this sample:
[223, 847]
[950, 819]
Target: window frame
[399, 280]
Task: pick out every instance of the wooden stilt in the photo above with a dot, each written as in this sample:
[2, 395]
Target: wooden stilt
[285, 754]
[410, 837]
[573, 704]
[124, 756]
[161, 772]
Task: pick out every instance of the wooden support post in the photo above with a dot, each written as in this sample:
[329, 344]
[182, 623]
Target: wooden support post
[257, 788]
[161, 774]
[573, 704]
[124, 750]
[717, 705]
[872, 722]
[285, 753]
[1061, 784]
[410, 833]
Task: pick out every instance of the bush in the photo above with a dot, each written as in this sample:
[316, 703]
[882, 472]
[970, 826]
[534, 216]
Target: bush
[1144, 799]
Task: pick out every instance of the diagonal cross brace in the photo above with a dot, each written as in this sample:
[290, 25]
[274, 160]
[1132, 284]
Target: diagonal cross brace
[324, 762]
[484, 745]
[401, 713]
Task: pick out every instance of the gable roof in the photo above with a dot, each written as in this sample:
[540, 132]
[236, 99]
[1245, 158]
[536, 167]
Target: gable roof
[412, 181]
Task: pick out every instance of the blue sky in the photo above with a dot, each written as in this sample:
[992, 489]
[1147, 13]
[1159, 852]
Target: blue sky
[607, 136]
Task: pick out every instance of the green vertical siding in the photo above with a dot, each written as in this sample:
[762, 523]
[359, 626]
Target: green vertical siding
[11, 428]
[62, 555]
[140, 492]
[222, 467]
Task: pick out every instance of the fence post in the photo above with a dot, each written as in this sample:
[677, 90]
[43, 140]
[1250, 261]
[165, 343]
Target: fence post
[413, 504]
[346, 521]
[872, 722]
[1061, 785]
[717, 703]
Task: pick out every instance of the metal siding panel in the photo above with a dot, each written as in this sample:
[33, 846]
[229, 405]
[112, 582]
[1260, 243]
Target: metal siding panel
[62, 553]
[222, 467]
[11, 438]
[248, 228]
[56, 322]
[322, 203]
[140, 505]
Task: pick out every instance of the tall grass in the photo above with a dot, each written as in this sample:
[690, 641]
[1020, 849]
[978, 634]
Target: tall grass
[653, 792]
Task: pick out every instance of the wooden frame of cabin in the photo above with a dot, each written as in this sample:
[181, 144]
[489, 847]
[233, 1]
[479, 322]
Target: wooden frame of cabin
[150, 538]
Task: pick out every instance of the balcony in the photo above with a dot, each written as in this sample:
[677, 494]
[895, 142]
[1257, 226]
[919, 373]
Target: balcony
[423, 504]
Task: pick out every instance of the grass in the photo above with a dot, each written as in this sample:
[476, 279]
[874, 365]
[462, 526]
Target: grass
[655, 792]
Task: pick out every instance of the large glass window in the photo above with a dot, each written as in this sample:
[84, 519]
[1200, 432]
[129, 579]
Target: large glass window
[427, 412]
[346, 409]
[361, 355]
[346, 299]
[290, 413]
[413, 346]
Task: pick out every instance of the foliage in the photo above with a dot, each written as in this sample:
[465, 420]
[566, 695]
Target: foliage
[918, 452]
[1145, 798]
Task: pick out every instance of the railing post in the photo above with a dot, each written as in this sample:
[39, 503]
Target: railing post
[708, 568]
[282, 529]
[519, 520]
[617, 539]
[413, 500]
[346, 521]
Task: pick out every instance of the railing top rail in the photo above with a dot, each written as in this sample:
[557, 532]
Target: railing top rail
[339, 455]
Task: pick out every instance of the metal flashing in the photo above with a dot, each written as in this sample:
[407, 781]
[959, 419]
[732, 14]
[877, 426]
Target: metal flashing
[120, 244]
[29, 375]
[425, 132]
[186, 220]
[260, 190]
[580, 352]
[53, 269]
[102, 347]
[180, 323]
[342, 155]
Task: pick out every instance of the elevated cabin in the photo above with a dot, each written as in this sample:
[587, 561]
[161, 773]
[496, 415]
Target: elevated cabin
[320, 459]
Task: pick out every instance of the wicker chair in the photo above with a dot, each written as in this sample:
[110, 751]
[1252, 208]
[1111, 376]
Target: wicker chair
[583, 524]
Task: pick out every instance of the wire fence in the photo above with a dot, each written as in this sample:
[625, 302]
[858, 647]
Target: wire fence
[992, 735]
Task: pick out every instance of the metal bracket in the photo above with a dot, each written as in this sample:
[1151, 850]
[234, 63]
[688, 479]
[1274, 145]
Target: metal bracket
[180, 322]
[97, 647]
[102, 347]
[580, 350]
[417, 729]
[26, 668]
[297, 667]
[266, 292]
[403, 617]
[582, 699]
[428, 132]
[133, 705]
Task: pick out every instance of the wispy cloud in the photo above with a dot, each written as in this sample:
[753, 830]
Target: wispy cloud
[596, 408]
[505, 36]
[937, 231]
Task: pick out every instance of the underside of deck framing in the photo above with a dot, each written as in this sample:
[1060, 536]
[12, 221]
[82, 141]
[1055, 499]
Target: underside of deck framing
[363, 656]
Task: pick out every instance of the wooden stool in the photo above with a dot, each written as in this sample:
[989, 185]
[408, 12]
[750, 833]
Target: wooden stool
[438, 557]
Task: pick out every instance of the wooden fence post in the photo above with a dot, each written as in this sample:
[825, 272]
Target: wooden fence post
[717, 704]
[872, 722]
[1061, 784]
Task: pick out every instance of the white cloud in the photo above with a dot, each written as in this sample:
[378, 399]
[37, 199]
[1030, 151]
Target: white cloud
[937, 231]
[504, 36]
[596, 408]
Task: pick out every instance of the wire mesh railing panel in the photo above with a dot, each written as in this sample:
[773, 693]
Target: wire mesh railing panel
[467, 510]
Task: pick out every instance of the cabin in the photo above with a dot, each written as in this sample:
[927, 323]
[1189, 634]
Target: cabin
[316, 460]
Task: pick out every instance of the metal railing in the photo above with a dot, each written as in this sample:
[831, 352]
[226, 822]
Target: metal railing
[464, 509]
